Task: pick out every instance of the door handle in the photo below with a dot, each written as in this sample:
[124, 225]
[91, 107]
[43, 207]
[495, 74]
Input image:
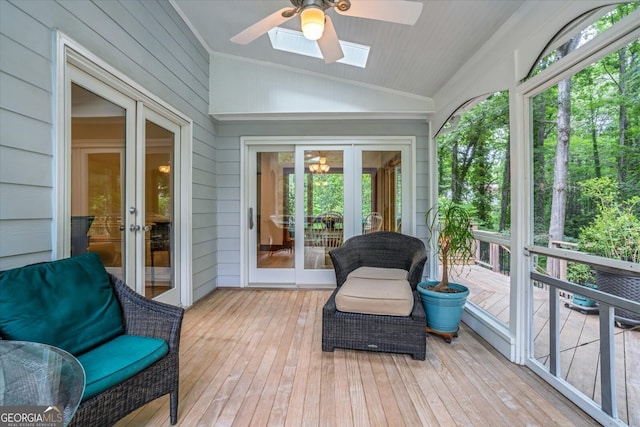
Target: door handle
[250, 218]
[134, 228]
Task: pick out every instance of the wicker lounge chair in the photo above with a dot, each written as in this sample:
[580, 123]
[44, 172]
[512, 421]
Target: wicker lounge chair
[142, 317]
[395, 334]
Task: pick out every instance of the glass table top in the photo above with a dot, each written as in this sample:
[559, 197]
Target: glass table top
[34, 374]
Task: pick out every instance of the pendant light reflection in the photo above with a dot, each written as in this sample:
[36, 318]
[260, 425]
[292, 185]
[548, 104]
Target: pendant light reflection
[320, 167]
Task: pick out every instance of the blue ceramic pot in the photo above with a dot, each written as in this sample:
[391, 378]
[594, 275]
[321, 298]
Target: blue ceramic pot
[582, 300]
[443, 310]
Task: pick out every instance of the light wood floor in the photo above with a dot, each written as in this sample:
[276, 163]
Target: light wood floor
[253, 358]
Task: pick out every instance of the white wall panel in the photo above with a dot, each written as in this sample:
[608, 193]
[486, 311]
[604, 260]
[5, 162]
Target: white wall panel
[241, 89]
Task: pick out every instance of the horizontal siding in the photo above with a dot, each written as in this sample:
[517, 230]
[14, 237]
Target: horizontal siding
[21, 237]
[25, 167]
[36, 140]
[25, 98]
[27, 202]
[145, 40]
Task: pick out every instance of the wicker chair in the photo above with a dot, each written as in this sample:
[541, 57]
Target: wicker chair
[142, 317]
[395, 334]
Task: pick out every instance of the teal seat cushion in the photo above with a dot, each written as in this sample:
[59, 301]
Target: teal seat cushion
[119, 359]
[68, 303]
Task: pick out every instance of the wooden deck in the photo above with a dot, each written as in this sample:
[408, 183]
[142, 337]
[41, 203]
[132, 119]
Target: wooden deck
[253, 358]
[579, 341]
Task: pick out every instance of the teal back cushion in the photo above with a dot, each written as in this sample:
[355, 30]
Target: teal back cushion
[68, 303]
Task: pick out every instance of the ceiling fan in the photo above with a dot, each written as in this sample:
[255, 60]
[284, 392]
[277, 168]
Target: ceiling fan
[316, 25]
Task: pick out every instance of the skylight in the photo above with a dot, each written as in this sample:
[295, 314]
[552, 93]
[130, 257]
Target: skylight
[294, 42]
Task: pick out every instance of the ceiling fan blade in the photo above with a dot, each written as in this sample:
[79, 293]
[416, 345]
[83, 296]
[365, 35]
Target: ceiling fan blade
[400, 12]
[329, 44]
[261, 27]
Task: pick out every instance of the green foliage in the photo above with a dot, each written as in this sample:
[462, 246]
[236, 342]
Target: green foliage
[580, 274]
[326, 191]
[473, 158]
[605, 138]
[615, 231]
[451, 223]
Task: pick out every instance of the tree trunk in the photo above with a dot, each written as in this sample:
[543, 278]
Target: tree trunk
[538, 146]
[506, 191]
[622, 121]
[455, 179]
[560, 171]
[594, 142]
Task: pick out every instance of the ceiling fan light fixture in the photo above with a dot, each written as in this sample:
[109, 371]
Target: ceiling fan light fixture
[312, 22]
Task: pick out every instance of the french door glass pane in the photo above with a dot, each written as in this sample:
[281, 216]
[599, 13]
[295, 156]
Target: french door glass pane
[381, 191]
[275, 205]
[159, 207]
[324, 206]
[97, 178]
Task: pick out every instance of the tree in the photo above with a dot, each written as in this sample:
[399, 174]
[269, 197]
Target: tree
[559, 195]
[474, 163]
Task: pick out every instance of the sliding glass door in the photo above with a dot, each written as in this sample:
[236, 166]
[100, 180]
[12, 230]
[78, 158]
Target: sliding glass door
[305, 200]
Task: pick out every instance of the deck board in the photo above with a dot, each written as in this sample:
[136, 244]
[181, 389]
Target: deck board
[253, 357]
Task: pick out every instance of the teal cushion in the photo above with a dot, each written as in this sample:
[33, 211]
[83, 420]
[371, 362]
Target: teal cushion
[68, 303]
[119, 359]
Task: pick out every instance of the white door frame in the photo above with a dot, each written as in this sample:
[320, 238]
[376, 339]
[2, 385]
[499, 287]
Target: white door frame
[353, 194]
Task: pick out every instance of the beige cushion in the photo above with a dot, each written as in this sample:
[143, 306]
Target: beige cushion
[382, 291]
[379, 273]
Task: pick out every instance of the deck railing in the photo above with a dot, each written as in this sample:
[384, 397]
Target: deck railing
[549, 274]
[607, 304]
[492, 251]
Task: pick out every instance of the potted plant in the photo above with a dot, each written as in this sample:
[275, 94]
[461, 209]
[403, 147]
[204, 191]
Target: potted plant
[581, 274]
[443, 300]
[614, 233]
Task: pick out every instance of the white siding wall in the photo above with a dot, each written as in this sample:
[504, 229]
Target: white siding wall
[228, 159]
[147, 41]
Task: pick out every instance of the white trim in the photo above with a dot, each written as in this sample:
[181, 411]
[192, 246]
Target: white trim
[489, 328]
[520, 299]
[60, 194]
[192, 27]
[611, 40]
[185, 274]
[253, 116]
[432, 200]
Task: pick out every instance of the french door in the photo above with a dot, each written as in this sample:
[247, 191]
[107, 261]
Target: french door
[303, 200]
[124, 160]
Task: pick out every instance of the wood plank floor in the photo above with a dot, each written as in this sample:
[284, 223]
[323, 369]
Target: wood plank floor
[253, 358]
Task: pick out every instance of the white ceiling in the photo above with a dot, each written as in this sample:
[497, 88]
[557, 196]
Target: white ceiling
[417, 59]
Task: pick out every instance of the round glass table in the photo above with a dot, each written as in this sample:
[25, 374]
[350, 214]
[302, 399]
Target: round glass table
[39, 379]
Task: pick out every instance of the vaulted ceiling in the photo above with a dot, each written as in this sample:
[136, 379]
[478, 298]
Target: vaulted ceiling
[415, 59]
